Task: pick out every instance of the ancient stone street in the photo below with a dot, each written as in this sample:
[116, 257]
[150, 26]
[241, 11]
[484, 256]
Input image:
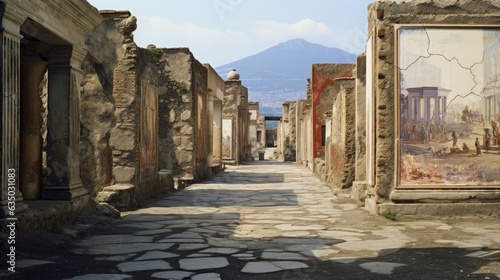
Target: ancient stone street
[267, 220]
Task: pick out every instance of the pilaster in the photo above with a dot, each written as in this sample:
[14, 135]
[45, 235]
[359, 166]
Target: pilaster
[63, 129]
[10, 87]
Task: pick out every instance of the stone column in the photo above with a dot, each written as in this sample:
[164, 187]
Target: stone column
[418, 114]
[427, 110]
[437, 110]
[63, 129]
[30, 165]
[443, 113]
[410, 109]
[9, 108]
[486, 109]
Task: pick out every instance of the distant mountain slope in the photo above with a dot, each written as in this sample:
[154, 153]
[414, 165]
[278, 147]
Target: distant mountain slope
[279, 73]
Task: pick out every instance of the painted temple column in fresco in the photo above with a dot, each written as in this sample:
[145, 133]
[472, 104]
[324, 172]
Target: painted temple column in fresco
[30, 165]
[63, 129]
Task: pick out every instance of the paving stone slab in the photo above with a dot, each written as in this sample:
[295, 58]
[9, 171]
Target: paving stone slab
[173, 275]
[385, 268]
[93, 276]
[153, 231]
[119, 258]
[206, 276]
[31, 262]
[203, 263]
[118, 249]
[156, 255]
[113, 239]
[222, 251]
[190, 247]
[283, 256]
[268, 267]
[143, 265]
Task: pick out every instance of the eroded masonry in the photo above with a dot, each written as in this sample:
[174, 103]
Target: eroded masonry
[413, 127]
[89, 119]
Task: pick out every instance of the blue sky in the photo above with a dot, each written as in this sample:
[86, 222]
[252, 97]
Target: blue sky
[221, 31]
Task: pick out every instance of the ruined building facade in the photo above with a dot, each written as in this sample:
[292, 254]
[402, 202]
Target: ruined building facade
[236, 145]
[411, 128]
[33, 45]
[89, 118]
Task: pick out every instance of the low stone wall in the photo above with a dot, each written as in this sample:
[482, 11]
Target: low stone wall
[45, 215]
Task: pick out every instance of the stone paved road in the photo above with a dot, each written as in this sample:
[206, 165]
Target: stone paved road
[269, 220]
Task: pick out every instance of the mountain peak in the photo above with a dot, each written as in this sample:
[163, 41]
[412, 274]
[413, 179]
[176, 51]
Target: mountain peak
[296, 44]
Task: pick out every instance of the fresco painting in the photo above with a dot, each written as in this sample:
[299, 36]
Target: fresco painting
[449, 96]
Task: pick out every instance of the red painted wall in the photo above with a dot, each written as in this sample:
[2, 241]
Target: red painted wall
[324, 88]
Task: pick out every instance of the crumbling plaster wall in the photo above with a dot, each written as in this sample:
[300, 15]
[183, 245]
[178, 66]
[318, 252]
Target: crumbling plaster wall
[290, 138]
[383, 19]
[119, 115]
[231, 110]
[360, 118]
[254, 117]
[105, 44]
[181, 77]
[324, 90]
[341, 142]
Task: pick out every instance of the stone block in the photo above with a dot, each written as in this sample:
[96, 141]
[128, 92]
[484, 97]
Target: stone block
[358, 191]
[108, 210]
[120, 196]
[122, 139]
[166, 180]
[124, 174]
[186, 115]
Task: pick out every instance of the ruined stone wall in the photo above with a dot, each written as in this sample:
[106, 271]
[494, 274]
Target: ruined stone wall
[147, 181]
[177, 117]
[302, 138]
[324, 90]
[120, 115]
[360, 185]
[126, 93]
[200, 82]
[384, 18]
[290, 137]
[231, 121]
[254, 117]
[98, 106]
[341, 139]
[216, 95]
[360, 117]
[244, 125]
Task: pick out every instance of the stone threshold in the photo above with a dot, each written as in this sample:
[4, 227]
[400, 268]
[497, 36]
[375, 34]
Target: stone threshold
[43, 215]
[434, 209]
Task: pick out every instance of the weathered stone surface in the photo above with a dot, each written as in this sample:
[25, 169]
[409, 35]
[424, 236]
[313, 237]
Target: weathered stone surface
[108, 210]
[124, 174]
[143, 265]
[203, 263]
[122, 139]
[173, 275]
[121, 196]
[267, 267]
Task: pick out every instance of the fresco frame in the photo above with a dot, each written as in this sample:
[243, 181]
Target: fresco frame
[403, 181]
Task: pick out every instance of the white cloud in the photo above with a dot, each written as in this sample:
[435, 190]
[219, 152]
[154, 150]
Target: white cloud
[304, 28]
[208, 44]
[316, 32]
